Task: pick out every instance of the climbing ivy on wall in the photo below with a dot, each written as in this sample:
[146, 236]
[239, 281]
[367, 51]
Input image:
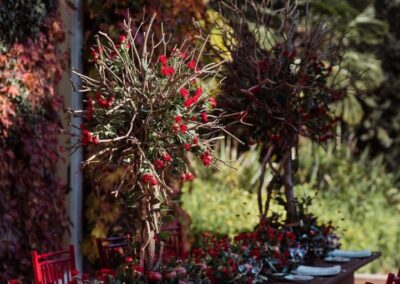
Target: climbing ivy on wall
[32, 209]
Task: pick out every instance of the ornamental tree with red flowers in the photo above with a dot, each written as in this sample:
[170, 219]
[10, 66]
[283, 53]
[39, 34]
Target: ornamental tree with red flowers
[284, 78]
[144, 111]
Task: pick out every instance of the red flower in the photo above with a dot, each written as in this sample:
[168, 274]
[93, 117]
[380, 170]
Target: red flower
[163, 59]
[204, 117]
[196, 140]
[206, 158]
[167, 157]
[183, 128]
[255, 253]
[138, 268]
[189, 102]
[199, 92]
[95, 140]
[189, 176]
[212, 102]
[175, 127]
[153, 182]
[178, 119]
[290, 236]
[86, 137]
[188, 146]
[128, 259]
[102, 102]
[122, 39]
[195, 98]
[167, 70]
[74, 273]
[192, 64]
[159, 164]
[95, 56]
[182, 55]
[184, 92]
[183, 177]
[146, 178]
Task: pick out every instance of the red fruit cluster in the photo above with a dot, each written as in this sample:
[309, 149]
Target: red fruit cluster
[102, 102]
[204, 117]
[193, 100]
[188, 176]
[149, 179]
[88, 138]
[206, 158]
[184, 93]
[159, 164]
[167, 158]
[192, 64]
[165, 69]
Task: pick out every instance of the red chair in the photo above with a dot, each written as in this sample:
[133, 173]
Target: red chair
[54, 267]
[112, 250]
[173, 245]
[393, 279]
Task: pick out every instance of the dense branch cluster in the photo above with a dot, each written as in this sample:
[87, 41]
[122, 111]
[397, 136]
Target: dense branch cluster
[284, 77]
[145, 111]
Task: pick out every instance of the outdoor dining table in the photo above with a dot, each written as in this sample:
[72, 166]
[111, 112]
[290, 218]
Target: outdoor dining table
[346, 276]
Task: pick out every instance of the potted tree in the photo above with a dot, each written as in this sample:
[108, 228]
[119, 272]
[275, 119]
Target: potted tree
[145, 110]
[284, 75]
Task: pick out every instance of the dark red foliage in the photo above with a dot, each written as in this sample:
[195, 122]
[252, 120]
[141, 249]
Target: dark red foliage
[32, 209]
[285, 89]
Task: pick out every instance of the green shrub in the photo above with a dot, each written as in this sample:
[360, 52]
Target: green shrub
[352, 192]
[355, 194]
[221, 201]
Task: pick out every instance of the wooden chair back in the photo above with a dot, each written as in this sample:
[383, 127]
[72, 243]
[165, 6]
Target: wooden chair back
[173, 245]
[112, 250]
[393, 279]
[54, 267]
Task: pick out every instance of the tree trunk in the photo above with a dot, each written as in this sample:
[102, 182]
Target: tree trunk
[265, 161]
[289, 194]
[150, 251]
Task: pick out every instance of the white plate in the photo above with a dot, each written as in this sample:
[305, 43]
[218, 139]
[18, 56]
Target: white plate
[318, 271]
[351, 253]
[292, 277]
[336, 259]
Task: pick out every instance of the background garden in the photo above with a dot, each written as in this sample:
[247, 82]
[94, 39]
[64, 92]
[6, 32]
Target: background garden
[352, 181]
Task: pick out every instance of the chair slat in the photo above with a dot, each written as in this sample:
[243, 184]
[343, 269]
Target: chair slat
[53, 267]
[107, 250]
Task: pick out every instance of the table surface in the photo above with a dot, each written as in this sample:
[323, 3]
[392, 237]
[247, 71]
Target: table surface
[347, 270]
